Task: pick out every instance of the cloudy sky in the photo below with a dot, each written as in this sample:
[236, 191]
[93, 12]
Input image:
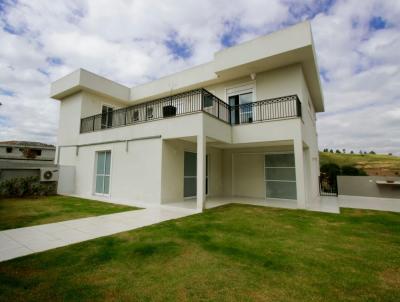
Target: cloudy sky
[132, 42]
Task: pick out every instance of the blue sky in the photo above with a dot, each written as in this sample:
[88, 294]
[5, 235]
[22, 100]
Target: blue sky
[133, 42]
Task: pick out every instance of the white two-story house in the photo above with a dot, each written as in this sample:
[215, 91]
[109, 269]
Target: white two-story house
[241, 127]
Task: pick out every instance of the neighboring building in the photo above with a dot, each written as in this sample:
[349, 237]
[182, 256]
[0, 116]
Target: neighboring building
[21, 158]
[242, 125]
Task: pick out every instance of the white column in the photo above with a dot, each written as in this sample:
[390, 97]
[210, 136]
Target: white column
[201, 171]
[300, 173]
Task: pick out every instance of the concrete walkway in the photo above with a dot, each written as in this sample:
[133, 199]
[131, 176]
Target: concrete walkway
[28, 240]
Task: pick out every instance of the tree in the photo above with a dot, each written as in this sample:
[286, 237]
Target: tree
[351, 152]
[372, 152]
[331, 151]
[390, 154]
[344, 151]
[338, 151]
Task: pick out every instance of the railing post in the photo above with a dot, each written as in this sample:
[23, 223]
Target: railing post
[94, 118]
[125, 116]
[145, 112]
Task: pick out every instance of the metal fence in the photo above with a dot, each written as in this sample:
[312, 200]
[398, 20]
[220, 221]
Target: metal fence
[328, 186]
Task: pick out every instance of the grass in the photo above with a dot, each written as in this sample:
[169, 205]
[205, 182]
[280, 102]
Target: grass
[373, 164]
[21, 212]
[230, 253]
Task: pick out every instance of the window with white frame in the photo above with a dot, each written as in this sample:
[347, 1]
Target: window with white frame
[103, 165]
[280, 176]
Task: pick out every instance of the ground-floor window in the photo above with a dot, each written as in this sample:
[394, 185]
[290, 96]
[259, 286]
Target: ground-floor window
[280, 176]
[103, 163]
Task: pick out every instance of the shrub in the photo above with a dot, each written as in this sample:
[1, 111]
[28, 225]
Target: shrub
[352, 171]
[26, 186]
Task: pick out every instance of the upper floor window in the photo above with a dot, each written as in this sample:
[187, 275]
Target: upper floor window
[241, 99]
[106, 117]
[9, 149]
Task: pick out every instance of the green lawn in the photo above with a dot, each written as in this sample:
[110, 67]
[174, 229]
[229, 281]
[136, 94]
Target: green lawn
[21, 212]
[231, 253]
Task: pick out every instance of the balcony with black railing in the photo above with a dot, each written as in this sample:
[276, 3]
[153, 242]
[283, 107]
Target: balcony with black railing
[199, 100]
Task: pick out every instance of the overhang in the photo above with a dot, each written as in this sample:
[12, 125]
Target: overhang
[83, 80]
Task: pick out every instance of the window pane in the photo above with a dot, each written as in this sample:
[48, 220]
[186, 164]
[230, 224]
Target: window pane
[280, 174]
[190, 164]
[108, 162]
[279, 160]
[106, 184]
[101, 157]
[245, 98]
[99, 184]
[277, 189]
[189, 187]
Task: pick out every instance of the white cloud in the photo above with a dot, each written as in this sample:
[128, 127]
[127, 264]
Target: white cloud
[125, 41]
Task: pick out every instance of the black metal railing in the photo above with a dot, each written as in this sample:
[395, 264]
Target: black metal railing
[271, 109]
[199, 100]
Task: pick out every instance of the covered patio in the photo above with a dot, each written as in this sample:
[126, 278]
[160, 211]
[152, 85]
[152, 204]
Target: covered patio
[263, 173]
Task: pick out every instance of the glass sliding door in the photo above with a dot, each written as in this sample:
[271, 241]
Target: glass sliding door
[280, 176]
[190, 175]
[103, 164]
[242, 110]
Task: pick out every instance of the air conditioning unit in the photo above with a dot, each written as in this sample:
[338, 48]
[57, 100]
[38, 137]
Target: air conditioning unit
[48, 174]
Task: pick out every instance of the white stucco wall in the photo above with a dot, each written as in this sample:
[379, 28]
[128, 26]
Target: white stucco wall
[70, 120]
[135, 173]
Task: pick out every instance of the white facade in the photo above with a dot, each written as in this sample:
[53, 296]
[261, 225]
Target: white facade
[147, 162]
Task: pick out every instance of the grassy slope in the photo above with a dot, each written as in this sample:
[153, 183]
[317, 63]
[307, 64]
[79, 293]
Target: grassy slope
[231, 253]
[373, 164]
[18, 212]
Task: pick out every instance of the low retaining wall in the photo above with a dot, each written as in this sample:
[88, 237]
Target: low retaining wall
[367, 186]
[363, 192]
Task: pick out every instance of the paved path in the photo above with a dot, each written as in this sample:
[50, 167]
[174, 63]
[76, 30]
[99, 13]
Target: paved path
[24, 241]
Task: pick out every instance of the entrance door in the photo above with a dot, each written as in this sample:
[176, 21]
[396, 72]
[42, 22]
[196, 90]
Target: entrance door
[190, 175]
